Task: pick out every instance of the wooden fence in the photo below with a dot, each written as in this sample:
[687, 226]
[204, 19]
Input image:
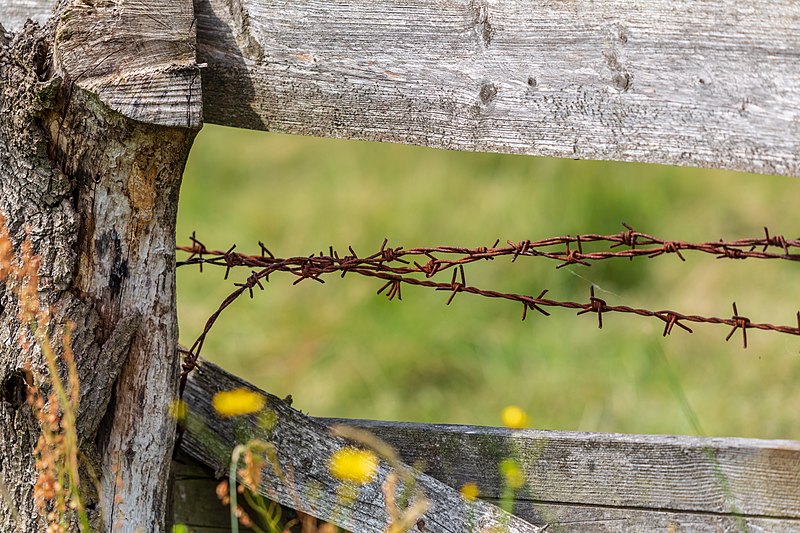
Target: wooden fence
[574, 481]
[712, 84]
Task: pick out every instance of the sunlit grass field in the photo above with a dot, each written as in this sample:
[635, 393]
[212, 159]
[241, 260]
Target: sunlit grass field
[341, 350]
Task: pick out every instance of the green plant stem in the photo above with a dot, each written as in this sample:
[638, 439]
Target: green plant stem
[237, 452]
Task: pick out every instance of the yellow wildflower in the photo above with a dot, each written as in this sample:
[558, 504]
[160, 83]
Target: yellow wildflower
[514, 417]
[512, 473]
[469, 491]
[237, 402]
[353, 465]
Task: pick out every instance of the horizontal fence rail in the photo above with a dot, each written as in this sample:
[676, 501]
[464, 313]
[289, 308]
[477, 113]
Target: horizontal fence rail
[574, 481]
[710, 84]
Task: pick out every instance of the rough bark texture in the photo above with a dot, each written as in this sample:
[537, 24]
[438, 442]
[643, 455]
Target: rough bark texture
[34, 195]
[97, 193]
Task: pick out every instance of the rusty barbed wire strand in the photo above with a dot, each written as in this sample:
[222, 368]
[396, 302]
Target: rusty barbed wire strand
[383, 265]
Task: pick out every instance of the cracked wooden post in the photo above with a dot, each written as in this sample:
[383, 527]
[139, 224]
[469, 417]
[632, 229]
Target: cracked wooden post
[99, 109]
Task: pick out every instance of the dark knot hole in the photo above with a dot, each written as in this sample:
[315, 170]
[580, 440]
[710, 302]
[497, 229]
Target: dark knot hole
[15, 389]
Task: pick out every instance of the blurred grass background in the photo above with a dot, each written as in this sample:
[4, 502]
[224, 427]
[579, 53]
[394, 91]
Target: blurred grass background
[340, 350]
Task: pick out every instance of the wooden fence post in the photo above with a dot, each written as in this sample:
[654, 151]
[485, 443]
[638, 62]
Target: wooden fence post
[99, 109]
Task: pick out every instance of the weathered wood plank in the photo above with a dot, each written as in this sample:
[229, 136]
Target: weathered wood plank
[587, 481]
[709, 475]
[304, 447]
[196, 506]
[137, 56]
[14, 13]
[571, 518]
[711, 84]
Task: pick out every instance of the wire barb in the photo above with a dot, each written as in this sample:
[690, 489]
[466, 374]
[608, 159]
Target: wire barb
[420, 266]
[595, 305]
[671, 319]
[739, 322]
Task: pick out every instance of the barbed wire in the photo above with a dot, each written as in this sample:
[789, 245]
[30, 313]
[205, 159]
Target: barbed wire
[398, 266]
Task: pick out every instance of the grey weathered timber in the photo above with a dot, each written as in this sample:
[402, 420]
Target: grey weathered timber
[614, 482]
[126, 258]
[577, 519]
[155, 81]
[574, 481]
[14, 13]
[679, 473]
[91, 159]
[711, 84]
[304, 447]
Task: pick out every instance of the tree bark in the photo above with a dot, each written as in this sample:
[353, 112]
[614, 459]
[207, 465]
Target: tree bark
[99, 110]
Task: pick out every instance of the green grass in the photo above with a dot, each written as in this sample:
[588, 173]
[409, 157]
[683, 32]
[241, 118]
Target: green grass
[340, 350]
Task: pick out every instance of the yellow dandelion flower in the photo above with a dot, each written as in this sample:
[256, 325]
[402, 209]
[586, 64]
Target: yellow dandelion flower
[514, 417]
[237, 402]
[470, 491]
[512, 473]
[353, 465]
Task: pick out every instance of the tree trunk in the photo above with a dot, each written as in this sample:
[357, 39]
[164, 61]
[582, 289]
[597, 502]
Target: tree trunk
[99, 109]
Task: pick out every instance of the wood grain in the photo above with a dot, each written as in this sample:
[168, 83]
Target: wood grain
[137, 56]
[711, 84]
[304, 447]
[712, 475]
[574, 481]
[14, 13]
[196, 506]
[715, 84]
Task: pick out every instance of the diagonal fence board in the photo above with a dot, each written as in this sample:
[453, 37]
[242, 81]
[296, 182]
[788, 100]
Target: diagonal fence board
[304, 447]
[711, 84]
[575, 481]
